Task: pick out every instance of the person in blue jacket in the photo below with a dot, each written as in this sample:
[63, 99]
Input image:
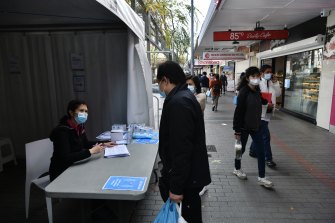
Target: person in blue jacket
[182, 144]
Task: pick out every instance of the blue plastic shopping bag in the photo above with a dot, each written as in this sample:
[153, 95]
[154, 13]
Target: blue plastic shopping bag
[209, 93]
[235, 100]
[168, 213]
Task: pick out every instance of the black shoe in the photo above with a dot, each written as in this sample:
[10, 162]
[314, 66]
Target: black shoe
[252, 154]
[213, 108]
[271, 164]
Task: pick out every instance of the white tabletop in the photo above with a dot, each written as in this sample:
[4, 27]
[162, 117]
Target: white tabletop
[85, 180]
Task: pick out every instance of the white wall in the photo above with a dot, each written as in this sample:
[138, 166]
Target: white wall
[326, 86]
[241, 66]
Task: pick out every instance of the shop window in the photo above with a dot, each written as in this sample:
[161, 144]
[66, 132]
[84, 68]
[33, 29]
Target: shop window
[302, 82]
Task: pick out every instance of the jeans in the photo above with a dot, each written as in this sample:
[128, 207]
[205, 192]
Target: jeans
[266, 140]
[259, 145]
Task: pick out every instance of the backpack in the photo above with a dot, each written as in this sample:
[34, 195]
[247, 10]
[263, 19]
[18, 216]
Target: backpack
[216, 88]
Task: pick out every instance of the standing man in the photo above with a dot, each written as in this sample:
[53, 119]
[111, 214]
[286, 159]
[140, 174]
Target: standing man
[268, 85]
[224, 82]
[182, 145]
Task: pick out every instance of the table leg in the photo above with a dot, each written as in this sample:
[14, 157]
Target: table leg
[49, 208]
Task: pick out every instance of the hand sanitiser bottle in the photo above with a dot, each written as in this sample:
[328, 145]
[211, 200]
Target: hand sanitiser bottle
[238, 149]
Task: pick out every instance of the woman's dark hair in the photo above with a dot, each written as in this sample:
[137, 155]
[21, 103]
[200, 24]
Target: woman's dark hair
[264, 67]
[72, 106]
[251, 71]
[172, 71]
[196, 81]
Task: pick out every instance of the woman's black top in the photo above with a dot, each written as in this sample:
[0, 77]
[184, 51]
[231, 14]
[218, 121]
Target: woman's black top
[70, 145]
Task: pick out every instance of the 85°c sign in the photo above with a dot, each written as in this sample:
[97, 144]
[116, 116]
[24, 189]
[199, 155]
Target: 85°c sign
[250, 35]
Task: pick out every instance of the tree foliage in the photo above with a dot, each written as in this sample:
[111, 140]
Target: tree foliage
[172, 17]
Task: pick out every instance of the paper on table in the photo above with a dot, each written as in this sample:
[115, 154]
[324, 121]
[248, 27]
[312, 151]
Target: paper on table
[125, 183]
[116, 151]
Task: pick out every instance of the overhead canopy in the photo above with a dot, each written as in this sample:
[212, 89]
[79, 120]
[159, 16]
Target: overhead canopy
[242, 15]
[37, 13]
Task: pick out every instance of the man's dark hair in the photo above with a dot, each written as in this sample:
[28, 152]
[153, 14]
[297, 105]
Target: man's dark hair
[204, 73]
[264, 67]
[172, 71]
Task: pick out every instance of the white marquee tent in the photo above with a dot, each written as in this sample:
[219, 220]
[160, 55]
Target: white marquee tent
[56, 50]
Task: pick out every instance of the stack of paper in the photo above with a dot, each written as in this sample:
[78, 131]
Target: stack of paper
[116, 151]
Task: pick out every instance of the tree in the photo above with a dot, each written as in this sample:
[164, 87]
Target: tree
[172, 17]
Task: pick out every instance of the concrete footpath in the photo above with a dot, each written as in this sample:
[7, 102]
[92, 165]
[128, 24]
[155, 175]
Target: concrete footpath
[304, 178]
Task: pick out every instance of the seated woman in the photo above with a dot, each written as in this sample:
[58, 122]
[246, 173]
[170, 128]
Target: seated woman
[194, 86]
[70, 140]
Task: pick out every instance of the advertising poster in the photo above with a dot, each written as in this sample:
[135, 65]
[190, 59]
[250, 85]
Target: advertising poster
[329, 52]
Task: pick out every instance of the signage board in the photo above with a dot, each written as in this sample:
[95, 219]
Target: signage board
[207, 62]
[250, 35]
[223, 56]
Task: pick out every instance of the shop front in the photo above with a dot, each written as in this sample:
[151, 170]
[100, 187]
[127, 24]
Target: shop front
[298, 67]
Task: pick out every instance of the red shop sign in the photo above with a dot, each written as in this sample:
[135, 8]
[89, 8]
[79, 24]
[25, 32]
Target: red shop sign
[250, 35]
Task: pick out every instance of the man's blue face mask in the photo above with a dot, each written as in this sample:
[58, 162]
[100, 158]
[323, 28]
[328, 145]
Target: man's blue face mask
[162, 93]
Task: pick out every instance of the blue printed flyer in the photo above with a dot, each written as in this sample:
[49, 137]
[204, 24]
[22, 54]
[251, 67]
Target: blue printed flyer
[125, 183]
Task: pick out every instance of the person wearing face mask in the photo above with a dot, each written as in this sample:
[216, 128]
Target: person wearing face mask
[268, 84]
[182, 143]
[194, 86]
[70, 140]
[247, 121]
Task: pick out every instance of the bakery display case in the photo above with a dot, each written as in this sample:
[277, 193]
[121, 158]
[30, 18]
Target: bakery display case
[303, 71]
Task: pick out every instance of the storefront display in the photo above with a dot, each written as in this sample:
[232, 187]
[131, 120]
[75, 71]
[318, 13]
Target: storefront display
[303, 75]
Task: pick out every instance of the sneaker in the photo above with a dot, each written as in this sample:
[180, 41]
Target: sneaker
[271, 164]
[240, 174]
[265, 182]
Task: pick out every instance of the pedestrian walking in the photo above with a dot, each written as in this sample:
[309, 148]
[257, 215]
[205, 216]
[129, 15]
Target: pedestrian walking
[269, 85]
[247, 121]
[215, 85]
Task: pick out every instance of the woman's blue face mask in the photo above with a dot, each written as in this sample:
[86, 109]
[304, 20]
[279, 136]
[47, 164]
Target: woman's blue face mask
[267, 76]
[81, 117]
[191, 88]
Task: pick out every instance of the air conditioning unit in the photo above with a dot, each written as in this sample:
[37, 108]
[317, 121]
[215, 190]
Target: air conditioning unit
[312, 43]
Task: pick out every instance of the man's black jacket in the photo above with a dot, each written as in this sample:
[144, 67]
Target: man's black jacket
[182, 143]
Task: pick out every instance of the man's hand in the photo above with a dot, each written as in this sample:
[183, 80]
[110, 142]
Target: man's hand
[176, 198]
